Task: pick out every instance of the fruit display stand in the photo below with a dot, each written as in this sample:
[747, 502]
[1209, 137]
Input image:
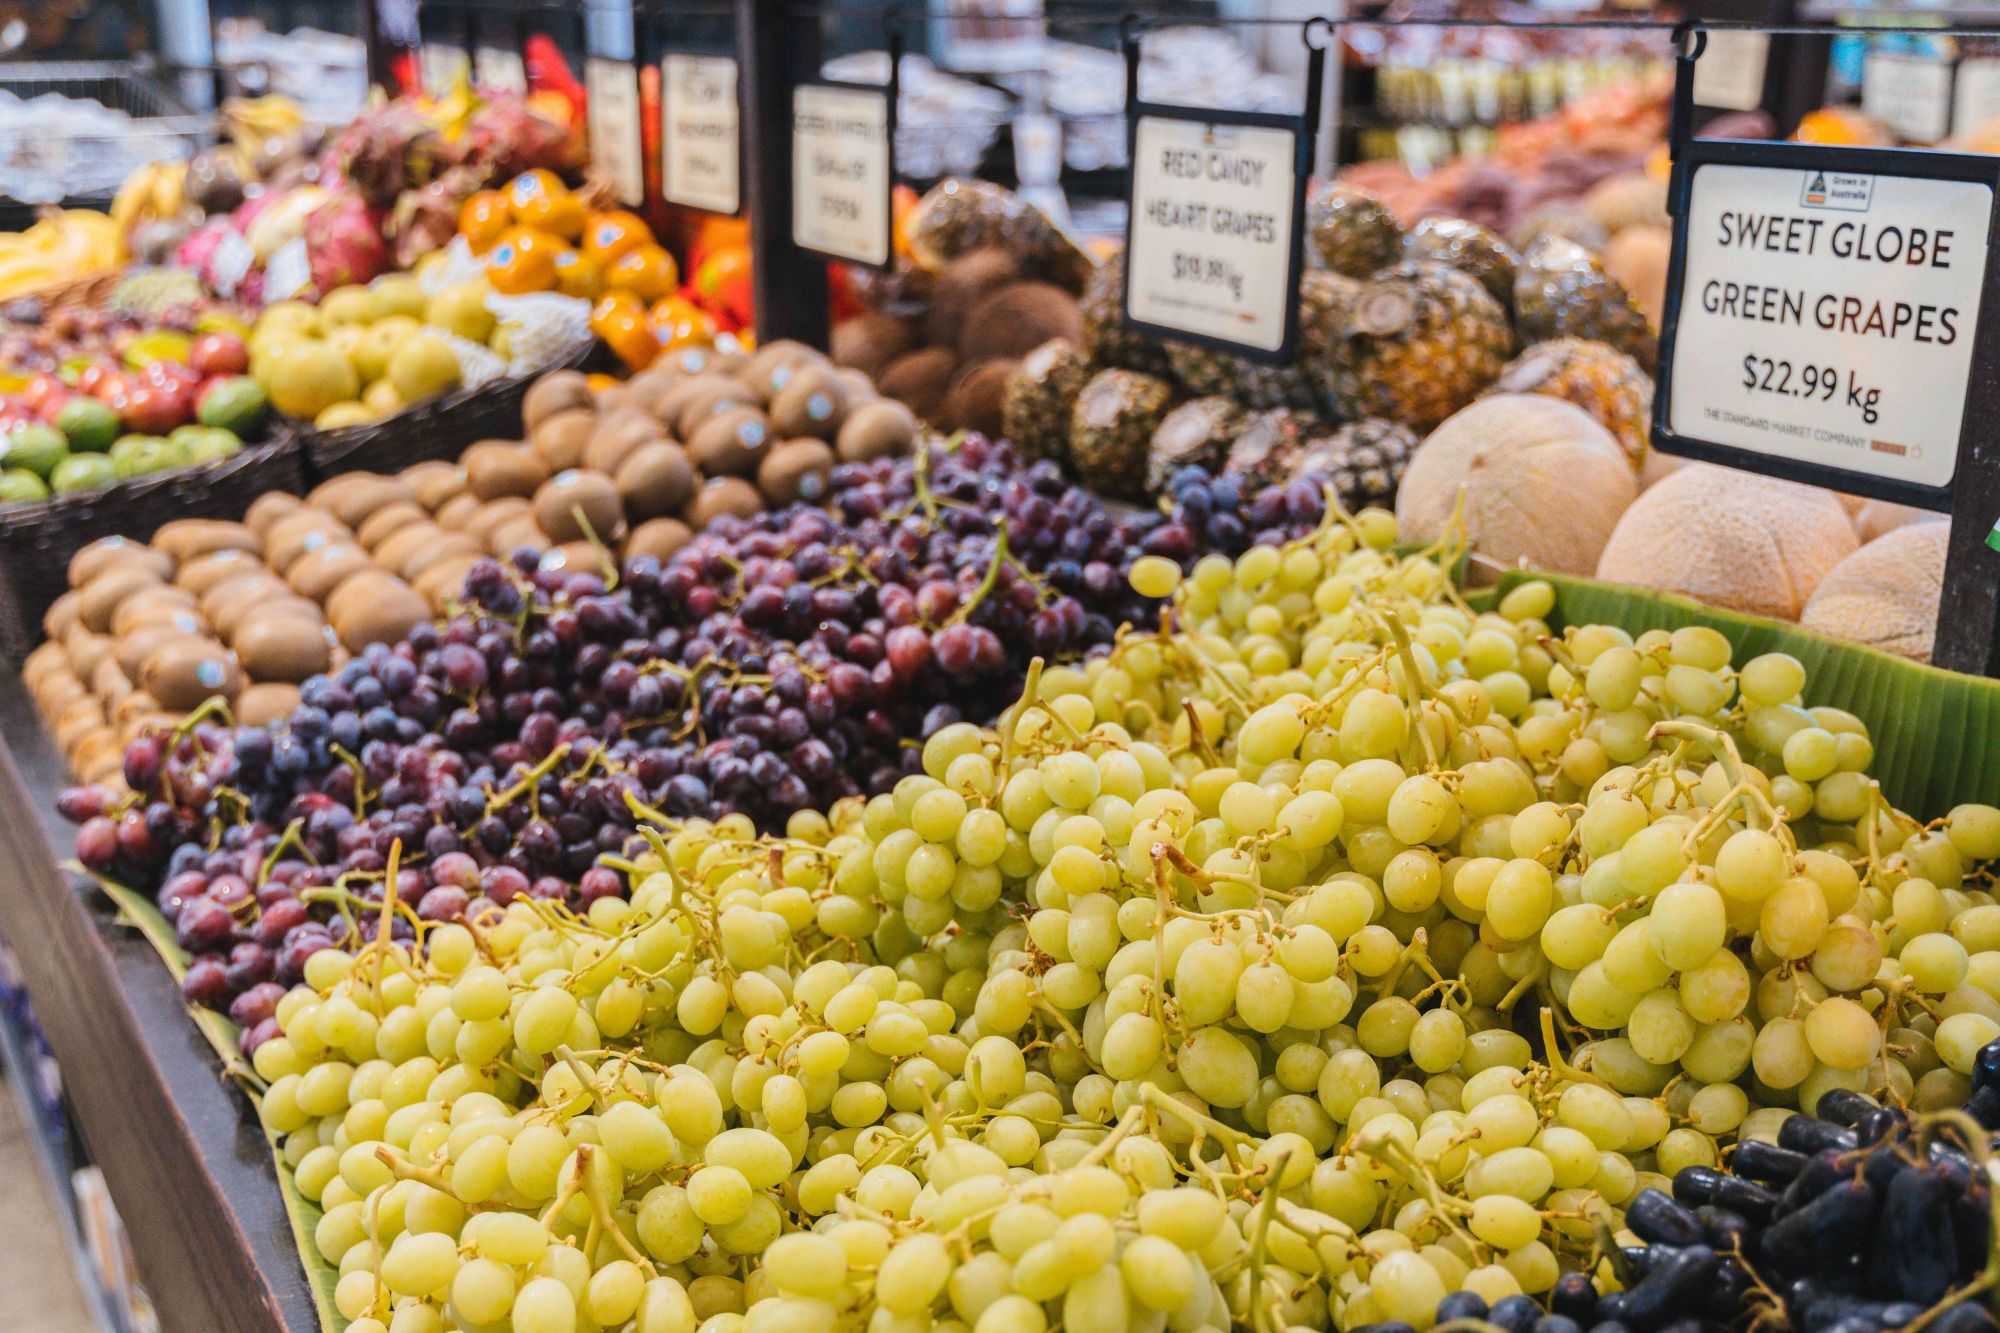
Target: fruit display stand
[187, 1164]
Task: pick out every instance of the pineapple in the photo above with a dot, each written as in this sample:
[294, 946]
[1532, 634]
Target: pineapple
[1557, 218]
[959, 215]
[1326, 303]
[1470, 248]
[1106, 340]
[1562, 290]
[1112, 426]
[1423, 341]
[1197, 433]
[1600, 379]
[1040, 395]
[1267, 448]
[1353, 231]
[1258, 384]
[1363, 461]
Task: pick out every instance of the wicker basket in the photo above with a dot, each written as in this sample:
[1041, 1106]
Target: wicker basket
[37, 540]
[437, 429]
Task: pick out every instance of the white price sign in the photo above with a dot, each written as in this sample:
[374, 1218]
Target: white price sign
[700, 144]
[440, 64]
[1910, 94]
[1827, 317]
[1730, 73]
[841, 171]
[501, 68]
[612, 89]
[1975, 101]
[1214, 210]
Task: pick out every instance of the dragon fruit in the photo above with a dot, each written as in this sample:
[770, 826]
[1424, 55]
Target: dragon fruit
[506, 137]
[198, 250]
[344, 242]
[426, 219]
[387, 150]
[281, 218]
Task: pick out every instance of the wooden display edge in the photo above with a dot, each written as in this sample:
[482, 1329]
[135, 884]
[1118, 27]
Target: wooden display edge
[186, 1162]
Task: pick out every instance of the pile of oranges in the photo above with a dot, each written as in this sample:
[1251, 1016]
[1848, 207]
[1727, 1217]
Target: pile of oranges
[535, 234]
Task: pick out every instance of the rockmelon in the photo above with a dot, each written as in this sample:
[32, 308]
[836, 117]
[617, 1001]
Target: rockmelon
[1731, 539]
[1638, 257]
[1543, 483]
[1872, 518]
[1886, 594]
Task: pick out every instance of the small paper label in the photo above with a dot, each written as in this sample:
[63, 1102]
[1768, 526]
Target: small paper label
[613, 89]
[1910, 94]
[1827, 317]
[1975, 101]
[1212, 218]
[1730, 73]
[501, 68]
[700, 138]
[840, 172]
[440, 63]
[288, 272]
[233, 259]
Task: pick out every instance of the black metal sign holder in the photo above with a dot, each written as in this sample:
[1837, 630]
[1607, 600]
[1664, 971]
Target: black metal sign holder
[890, 93]
[1303, 128]
[1968, 633]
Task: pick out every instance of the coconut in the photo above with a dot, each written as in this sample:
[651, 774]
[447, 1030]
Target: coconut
[974, 400]
[961, 285]
[1543, 484]
[921, 380]
[1732, 539]
[1017, 319]
[1886, 594]
[1638, 258]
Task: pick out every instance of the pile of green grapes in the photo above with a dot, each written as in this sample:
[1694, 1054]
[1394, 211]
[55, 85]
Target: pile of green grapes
[1333, 949]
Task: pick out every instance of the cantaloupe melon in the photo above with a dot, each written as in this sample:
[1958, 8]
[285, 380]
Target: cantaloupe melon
[1732, 539]
[1543, 483]
[1886, 594]
[1627, 199]
[1638, 257]
[1872, 518]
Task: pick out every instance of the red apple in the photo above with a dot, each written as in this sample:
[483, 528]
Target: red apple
[50, 405]
[41, 385]
[151, 409]
[94, 379]
[219, 354]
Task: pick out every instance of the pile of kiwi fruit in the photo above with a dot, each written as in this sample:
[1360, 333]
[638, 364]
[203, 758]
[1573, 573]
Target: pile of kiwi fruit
[246, 611]
[945, 342]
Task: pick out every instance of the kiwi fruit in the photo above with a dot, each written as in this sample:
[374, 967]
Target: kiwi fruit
[961, 285]
[133, 649]
[444, 581]
[435, 490]
[101, 596]
[98, 758]
[61, 615]
[205, 571]
[80, 717]
[646, 389]
[86, 649]
[388, 520]
[456, 512]
[152, 603]
[494, 468]
[1017, 319]
[730, 442]
[860, 388]
[418, 475]
[61, 687]
[231, 620]
[557, 391]
[723, 495]
[493, 513]
[796, 470]
[267, 509]
[559, 440]
[281, 647]
[572, 505]
[881, 429]
[300, 534]
[771, 369]
[656, 480]
[40, 662]
[351, 498]
[409, 542]
[102, 554]
[390, 612]
[921, 379]
[249, 588]
[812, 404]
[974, 400]
[870, 341]
[578, 558]
[186, 538]
[658, 537]
[616, 436]
[515, 533]
[265, 703]
[186, 672]
[717, 394]
[358, 591]
[133, 708]
[444, 546]
[317, 575]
